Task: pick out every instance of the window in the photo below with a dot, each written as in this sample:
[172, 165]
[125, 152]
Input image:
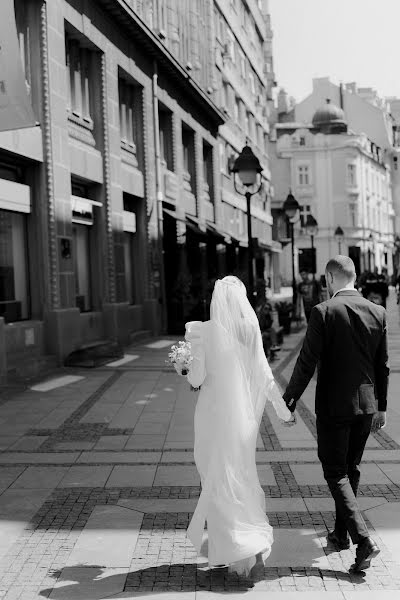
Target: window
[303, 175]
[165, 127]
[222, 157]
[23, 32]
[351, 175]
[252, 83]
[302, 140]
[304, 212]
[128, 101]
[236, 110]
[242, 65]
[246, 122]
[353, 209]
[232, 46]
[188, 156]
[208, 169]
[14, 298]
[79, 62]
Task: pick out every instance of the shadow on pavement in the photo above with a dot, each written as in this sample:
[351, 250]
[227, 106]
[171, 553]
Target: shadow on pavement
[92, 582]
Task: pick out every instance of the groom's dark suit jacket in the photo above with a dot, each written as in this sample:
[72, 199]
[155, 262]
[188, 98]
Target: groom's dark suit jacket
[347, 339]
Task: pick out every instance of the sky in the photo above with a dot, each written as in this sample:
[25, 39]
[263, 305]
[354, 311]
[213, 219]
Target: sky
[346, 40]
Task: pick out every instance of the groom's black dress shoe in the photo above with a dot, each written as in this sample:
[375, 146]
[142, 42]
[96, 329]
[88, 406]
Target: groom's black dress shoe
[339, 543]
[366, 551]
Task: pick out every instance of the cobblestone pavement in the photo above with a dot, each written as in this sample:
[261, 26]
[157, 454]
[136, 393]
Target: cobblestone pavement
[98, 484]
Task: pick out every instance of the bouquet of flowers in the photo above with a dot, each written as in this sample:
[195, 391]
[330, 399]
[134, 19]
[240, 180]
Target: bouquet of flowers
[181, 357]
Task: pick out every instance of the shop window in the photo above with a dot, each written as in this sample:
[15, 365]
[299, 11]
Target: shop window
[14, 294]
[83, 218]
[131, 248]
[81, 235]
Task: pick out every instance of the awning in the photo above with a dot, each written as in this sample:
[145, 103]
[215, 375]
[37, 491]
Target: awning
[212, 229]
[271, 246]
[174, 215]
[190, 222]
[193, 224]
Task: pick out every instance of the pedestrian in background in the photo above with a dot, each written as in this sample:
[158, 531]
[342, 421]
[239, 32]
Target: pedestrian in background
[308, 290]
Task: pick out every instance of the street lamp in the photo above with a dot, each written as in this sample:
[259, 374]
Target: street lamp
[312, 230]
[339, 237]
[291, 207]
[248, 167]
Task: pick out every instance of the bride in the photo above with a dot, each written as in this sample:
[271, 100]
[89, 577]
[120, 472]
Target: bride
[236, 380]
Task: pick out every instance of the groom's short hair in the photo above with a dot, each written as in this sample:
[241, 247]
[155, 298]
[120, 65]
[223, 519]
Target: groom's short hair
[341, 267]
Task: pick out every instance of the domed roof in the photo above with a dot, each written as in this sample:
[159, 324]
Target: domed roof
[329, 116]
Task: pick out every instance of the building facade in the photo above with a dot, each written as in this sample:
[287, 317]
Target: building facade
[244, 79]
[340, 176]
[113, 218]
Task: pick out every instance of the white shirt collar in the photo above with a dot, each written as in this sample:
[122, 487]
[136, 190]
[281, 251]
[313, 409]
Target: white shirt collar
[345, 289]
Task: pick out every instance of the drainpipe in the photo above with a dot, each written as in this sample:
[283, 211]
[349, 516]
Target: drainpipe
[159, 198]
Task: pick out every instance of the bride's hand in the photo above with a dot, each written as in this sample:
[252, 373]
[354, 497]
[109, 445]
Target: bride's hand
[292, 421]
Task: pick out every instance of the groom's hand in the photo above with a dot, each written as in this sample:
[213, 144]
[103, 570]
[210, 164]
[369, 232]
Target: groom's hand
[379, 421]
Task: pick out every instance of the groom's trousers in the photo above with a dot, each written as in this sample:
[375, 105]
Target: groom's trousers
[341, 443]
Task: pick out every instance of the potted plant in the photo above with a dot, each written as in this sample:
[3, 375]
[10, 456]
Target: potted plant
[284, 309]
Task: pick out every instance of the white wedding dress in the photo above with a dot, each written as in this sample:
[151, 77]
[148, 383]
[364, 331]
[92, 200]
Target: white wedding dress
[236, 381]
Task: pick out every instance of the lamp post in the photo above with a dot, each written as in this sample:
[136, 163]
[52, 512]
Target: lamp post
[312, 230]
[291, 208]
[339, 237]
[248, 167]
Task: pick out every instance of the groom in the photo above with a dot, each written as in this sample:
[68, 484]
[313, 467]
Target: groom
[346, 337]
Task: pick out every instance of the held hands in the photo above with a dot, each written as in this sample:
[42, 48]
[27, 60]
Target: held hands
[379, 421]
[292, 421]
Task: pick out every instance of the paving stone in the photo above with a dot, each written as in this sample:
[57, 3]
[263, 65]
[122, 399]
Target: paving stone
[308, 474]
[182, 475]
[134, 476]
[143, 442]
[28, 443]
[108, 538]
[40, 478]
[112, 442]
[299, 548]
[392, 471]
[386, 521]
[80, 476]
